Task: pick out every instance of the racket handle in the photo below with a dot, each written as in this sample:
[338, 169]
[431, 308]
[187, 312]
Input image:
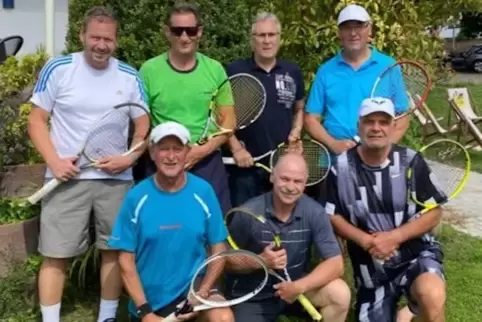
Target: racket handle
[312, 311]
[357, 139]
[45, 190]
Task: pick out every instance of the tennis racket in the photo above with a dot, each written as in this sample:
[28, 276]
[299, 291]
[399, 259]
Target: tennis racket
[106, 138]
[249, 97]
[402, 78]
[316, 156]
[209, 274]
[246, 215]
[449, 165]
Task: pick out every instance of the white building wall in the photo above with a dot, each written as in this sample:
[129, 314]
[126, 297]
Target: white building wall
[27, 19]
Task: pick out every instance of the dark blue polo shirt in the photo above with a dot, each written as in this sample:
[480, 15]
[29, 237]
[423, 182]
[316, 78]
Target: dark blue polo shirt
[284, 86]
[308, 226]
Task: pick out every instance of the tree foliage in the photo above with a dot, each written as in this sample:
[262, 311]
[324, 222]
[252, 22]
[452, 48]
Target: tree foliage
[309, 27]
[471, 24]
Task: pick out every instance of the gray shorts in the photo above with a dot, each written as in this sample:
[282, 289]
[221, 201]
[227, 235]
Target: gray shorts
[66, 214]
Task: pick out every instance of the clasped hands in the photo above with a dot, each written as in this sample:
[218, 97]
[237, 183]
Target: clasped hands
[277, 259]
[382, 245]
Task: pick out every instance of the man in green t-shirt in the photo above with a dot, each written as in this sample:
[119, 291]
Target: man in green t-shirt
[179, 84]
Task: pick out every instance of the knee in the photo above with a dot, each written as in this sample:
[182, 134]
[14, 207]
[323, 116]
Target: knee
[223, 315]
[336, 295]
[429, 291]
[54, 264]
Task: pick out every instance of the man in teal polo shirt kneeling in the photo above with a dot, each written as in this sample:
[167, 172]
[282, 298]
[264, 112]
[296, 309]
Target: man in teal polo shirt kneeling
[167, 226]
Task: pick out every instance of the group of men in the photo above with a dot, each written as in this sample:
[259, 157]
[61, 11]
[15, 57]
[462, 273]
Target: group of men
[153, 235]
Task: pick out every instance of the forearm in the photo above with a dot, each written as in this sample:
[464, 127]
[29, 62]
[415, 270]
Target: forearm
[324, 273]
[215, 143]
[234, 144]
[400, 129]
[132, 282]
[298, 117]
[347, 231]
[316, 130]
[38, 132]
[141, 130]
[215, 268]
[419, 226]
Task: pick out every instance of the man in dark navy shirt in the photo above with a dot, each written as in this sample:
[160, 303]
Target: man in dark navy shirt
[302, 224]
[282, 118]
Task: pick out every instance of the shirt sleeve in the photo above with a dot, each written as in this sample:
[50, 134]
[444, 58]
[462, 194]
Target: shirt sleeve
[426, 185]
[400, 100]
[316, 97]
[124, 233]
[216, 230]
[139, 96]
[323, 236]
[144, 78]
[300, 84]
[45, 90]
[225, 95]
[332, 203]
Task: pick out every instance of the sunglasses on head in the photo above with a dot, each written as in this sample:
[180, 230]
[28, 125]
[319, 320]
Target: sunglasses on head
[190, 31]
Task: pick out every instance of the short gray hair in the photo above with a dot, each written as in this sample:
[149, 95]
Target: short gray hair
[263, 16]
[101, 14]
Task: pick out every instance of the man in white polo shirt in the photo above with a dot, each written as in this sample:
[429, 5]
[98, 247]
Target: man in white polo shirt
[72, 92]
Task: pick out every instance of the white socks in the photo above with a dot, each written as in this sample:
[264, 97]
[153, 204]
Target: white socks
[108, 310]
[50, 313]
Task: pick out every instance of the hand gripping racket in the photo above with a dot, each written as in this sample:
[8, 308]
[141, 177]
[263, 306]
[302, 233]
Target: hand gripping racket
[246, 215]
[316, 156]
[202, 290]
[249, 97]
[106, 138]
[449, 164]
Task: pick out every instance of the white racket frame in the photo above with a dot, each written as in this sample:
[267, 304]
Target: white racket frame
[208, 304]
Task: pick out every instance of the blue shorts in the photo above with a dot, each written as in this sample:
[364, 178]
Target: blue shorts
[379, 304]
[247, 183]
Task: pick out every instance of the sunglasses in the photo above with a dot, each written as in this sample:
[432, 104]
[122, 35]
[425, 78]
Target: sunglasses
[178, 31]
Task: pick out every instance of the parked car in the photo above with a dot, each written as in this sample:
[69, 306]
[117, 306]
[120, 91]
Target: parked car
[470, 59]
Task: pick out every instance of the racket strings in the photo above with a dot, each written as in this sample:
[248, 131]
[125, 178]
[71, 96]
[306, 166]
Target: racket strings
[317, 158]
[416, 83]
[107, 138]
[248, 97]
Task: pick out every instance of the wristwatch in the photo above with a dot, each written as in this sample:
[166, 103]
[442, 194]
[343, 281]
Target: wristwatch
[143, 310]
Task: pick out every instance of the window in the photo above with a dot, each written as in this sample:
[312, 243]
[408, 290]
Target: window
[8, 4]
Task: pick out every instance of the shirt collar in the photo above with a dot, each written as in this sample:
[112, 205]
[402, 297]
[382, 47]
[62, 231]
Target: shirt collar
[254, 66]
[373, 59]
[269, 211]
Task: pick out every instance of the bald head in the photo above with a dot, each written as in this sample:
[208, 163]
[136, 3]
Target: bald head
[291, 161]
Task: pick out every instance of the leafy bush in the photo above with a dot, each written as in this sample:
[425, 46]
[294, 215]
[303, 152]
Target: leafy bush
[309, 28]
[17, 78]
[15, 210]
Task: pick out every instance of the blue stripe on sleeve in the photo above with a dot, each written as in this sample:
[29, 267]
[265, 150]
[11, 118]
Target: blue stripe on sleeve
[48, 70]
[132, 71]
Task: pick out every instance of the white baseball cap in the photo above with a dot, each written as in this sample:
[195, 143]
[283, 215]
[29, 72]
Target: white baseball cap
[377, 104]
[353, 12]
[169, 129]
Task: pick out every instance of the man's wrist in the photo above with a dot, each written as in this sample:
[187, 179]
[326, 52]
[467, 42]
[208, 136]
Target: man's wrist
[143, 310]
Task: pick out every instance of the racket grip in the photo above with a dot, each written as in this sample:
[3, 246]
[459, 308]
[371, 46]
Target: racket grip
[228, 160]
[312, 311]
[357, 139]
[45, 190]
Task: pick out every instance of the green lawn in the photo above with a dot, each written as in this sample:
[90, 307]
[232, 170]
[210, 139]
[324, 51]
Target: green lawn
[463, 262]
[438, 104]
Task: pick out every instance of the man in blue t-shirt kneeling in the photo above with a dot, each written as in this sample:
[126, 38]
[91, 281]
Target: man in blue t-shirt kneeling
[166, 226]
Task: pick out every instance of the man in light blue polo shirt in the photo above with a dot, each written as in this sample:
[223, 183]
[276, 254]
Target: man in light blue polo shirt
[344, 81]
[166, 226]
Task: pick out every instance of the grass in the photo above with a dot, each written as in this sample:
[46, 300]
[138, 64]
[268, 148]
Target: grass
[437, 102]
[463, 263]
